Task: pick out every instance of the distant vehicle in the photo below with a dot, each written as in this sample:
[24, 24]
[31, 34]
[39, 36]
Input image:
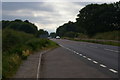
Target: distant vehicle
[49, 37]
[57, 37]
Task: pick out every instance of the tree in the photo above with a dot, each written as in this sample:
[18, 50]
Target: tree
[42, 33]
[19, 25]
[93, 19]
[70, 34]
[53, 34]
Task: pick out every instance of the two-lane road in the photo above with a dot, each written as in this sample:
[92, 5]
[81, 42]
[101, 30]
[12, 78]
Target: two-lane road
[104, 56]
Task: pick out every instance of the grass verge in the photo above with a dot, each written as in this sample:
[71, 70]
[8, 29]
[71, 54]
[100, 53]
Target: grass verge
[99, 42]
[17, 46]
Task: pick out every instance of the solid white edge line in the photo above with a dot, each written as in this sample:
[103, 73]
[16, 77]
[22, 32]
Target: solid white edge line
[103, 65]
[38, 68]
[113, 70]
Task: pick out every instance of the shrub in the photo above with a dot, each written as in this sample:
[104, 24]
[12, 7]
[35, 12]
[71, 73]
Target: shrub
[17, 46]
[13, 38]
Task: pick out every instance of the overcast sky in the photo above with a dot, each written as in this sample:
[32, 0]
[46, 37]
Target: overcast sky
[46, 15]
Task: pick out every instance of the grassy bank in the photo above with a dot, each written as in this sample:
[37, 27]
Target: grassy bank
[17, 46]
[100, 42]
[107, 38]
[113, 35]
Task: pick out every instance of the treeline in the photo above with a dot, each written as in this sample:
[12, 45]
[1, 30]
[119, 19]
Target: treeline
[24, 26]
[93, 19]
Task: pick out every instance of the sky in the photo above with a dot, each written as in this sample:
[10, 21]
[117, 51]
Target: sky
[45, 14]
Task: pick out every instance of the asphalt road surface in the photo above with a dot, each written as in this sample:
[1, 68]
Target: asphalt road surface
[101, 57]
[72, 60]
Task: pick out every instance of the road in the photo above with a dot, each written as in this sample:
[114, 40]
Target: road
[104, 56]
[72, 60]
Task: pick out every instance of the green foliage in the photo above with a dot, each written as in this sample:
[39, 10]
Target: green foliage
[70, 34]
[12, 39]
[114, 35]
[10, 64]
[96, 18]
[93, 19]
[17, 46]
[67, 27]
[82, 36]
[101, 42]
[36, 44]
[42, 33]
[19, 25]
[53, 34]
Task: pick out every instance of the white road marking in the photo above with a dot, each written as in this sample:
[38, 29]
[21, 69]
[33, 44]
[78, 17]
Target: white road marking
[77, 53]
[38, 68]
[103, 65]
[113, 70]
[111, 50]
[84, 56]
[80, 54]
[95, 62]
[89, 59]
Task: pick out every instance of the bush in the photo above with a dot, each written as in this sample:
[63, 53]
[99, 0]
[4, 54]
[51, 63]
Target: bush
[70, 34]
[82, 36]
[10, 64]
[12, 38]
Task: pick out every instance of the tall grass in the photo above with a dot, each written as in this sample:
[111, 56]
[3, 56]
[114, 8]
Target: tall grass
[113, 35]
[17, 46]
[108, 38]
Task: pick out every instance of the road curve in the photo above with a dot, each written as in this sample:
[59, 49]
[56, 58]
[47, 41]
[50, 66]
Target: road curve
[62, 63]
[105, 56]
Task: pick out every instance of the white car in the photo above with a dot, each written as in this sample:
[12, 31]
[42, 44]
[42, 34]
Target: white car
[57, 37]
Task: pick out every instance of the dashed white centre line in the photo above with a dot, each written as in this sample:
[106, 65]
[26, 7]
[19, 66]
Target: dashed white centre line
[84, 56]
[113, 70]
[89, 59]
[111, 50]
[77, 53]
[95, 62]
[103, 65]
[80, 54]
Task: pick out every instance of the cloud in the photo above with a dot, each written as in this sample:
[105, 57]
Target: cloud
[46, 15]
[60, 0]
